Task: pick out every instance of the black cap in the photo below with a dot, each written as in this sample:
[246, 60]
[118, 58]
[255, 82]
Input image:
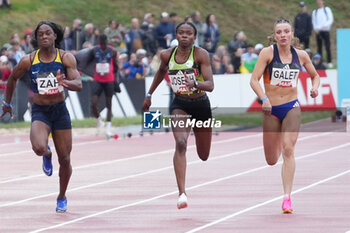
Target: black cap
[301, 4]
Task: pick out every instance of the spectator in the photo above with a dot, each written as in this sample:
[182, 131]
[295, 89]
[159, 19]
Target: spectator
[133, 69]
[5, 71]
[196, 18]
[77, 36]
[258, 48]
[322, 20]
[133, 38]
[5, 3]
[26, 44]
[89, 35]
[249, 58]
[17, 50]
[212, 34]
[303, 25]
[165, 31]
[239, 41]
[67, 43]
[148, 34]
[173, 18]
[114, 36]
[317, 62]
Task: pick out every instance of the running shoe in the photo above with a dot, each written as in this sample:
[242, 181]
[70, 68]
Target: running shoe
[182, 201]
[287, 206]
[61, 205]
[47, 163]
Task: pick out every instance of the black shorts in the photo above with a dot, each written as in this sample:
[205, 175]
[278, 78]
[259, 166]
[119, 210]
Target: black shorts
[55, 116]
[198, 108]
[99, 87]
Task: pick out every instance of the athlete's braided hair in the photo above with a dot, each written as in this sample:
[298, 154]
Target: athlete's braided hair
[57, 29]
[188, 23]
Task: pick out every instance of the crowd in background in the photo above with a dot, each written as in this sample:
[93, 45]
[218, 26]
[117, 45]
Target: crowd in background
[138, 47]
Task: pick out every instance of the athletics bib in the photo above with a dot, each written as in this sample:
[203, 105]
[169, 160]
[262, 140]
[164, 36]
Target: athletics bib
[102, 68]
[284, 77]
[178, 83]
[47, 84]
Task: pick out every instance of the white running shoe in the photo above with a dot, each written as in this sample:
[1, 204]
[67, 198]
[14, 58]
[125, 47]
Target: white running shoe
[100, 126]
[182, 201]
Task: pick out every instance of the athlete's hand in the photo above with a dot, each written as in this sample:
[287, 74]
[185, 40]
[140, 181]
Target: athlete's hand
[188, 83]
[6, 109]
[313, 92]
[61, 79]
[266, 107]
[146, 104]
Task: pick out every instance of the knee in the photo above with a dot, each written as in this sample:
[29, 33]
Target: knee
[64, 160]
[204, 156]
[39, 150]
[271, 162]
[181, 145]
[288, 151]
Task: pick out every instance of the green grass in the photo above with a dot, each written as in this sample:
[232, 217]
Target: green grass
[255, 17]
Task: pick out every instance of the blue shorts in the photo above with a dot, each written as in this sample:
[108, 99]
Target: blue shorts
[280, 111]
[55, 116]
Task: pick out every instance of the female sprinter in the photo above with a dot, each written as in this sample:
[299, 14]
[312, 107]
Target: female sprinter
[49, 66]
[280, 65]
[190, 76]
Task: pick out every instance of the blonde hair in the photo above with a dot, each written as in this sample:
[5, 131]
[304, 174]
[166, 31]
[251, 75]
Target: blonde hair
[271, 39]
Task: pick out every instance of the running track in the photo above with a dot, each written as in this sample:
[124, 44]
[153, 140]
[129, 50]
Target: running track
[128, 185]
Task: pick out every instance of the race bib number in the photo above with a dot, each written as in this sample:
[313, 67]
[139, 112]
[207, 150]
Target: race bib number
[102, 68]
[48, 85]
[284, 77]
[178, 83]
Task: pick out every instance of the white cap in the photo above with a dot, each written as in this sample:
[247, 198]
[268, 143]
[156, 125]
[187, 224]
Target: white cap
[259, 46]
[3, 59]
[141, 51]
[164, 14]
[174, 43]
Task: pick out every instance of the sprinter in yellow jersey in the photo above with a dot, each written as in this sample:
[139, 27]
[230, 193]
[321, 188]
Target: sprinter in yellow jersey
[190, 77]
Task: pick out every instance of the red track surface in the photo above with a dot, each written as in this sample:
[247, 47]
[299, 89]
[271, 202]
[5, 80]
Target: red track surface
[128, 185]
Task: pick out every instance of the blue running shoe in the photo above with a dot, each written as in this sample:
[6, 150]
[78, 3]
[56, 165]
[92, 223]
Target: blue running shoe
[61, 205]
[47, 163]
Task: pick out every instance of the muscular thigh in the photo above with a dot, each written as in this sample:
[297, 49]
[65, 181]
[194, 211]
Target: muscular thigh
[180, 133]
[271, 137]
[291, 126]
[63, 141]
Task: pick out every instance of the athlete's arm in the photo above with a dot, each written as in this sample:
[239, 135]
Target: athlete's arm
[158, 77]
[306, 62]
[205, 66]
[20, 69]
[264, 58]
[73, 81]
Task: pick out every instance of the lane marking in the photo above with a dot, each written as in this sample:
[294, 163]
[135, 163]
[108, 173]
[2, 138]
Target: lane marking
[207, 183]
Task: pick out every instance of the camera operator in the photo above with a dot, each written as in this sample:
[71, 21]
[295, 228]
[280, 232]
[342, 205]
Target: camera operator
[133, 69]
[77, 36]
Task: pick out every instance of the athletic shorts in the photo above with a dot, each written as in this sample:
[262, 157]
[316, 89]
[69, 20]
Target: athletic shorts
[198, 108]
[280, 111]
[55, 116]
[107, 88]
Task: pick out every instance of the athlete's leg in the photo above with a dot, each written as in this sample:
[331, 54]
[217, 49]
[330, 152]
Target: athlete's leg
[271, 139]
[181, 136]
[290, 131]
[63, 145]
[94, 109]
[203, 142]
[39, 134]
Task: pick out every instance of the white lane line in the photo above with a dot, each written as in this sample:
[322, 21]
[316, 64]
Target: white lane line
[110, 162]
[155, 171]
[266, 202]
[204, 184]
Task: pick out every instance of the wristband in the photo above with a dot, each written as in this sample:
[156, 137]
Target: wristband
[148, 95]
[7, 105]
[263, 99]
